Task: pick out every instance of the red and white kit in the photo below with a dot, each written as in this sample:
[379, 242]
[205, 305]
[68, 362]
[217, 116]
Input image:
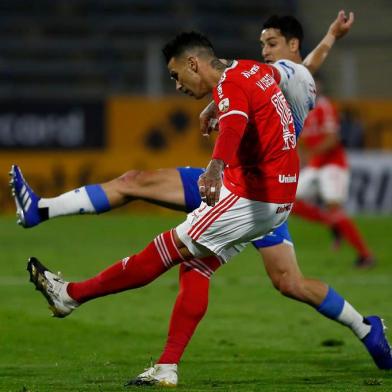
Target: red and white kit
[257, 142]
[326, 174]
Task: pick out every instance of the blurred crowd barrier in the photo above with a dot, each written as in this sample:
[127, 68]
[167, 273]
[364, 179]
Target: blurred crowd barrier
[63, 145]
[366, 123]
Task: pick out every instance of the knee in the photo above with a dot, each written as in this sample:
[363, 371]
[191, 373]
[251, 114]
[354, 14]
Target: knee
[134, 180]
[130, 177]
[289, 286]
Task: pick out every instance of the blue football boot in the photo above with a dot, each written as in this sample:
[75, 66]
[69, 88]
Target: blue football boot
[377, 344]
[26, 200]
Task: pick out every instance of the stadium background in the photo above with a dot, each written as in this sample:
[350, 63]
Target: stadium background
[85, 96]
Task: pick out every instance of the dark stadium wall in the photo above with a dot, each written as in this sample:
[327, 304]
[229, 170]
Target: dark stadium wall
[65, 146]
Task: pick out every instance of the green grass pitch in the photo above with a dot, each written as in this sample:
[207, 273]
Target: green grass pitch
[252, 339]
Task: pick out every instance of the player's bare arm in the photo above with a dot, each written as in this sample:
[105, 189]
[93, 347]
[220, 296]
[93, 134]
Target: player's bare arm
[338, 29]
[210, 182]
[207, 118]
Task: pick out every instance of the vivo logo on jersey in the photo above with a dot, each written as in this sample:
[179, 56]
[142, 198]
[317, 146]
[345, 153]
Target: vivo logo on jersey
[283, 179]
[251, 72]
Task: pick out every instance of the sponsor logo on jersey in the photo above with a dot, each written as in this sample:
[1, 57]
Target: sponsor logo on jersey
[219, 90]
[251, 72]
[196, 213]
[283, 179]
[224, 105]
[284, 208]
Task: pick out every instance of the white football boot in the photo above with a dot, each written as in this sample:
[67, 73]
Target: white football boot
[53, 288]
[164, 375]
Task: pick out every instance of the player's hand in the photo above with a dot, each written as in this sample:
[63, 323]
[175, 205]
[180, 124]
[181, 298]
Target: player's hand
[208, 120]
[342, 24]
[210, 182]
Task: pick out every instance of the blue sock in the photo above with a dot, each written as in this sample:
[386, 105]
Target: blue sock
[332, 305]
[98, 198]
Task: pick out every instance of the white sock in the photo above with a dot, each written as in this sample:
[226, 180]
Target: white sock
[354, 320]
[74, 202]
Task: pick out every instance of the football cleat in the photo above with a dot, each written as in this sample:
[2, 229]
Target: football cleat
[26, 200]
[337, 238]
[377, 344]
[53, 288]
[365, 262]
[164, 375]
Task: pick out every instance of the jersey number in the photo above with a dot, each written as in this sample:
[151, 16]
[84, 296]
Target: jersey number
[286, 119]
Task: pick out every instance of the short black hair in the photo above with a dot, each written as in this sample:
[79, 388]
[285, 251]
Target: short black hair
[184, 41]
[288, 26]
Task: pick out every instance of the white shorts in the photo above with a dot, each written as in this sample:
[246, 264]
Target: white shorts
[226, 228]
[330, 182]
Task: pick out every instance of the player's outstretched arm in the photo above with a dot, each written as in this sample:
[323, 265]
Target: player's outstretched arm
[338, 29]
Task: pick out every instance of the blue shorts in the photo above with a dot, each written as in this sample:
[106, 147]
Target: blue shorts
[189, 177]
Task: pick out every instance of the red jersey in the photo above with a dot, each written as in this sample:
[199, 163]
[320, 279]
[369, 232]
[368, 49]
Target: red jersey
[256, 137]
[321, 121]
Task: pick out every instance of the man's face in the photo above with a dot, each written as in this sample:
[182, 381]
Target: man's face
[184, 70]
[274, 46]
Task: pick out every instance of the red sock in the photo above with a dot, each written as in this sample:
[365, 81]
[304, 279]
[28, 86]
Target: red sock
[350, 233]
[310, 212]
[131, 272]
[190, 306]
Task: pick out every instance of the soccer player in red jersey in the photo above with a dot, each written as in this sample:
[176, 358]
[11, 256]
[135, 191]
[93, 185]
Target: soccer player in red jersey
[255, 152]
[326, 174]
